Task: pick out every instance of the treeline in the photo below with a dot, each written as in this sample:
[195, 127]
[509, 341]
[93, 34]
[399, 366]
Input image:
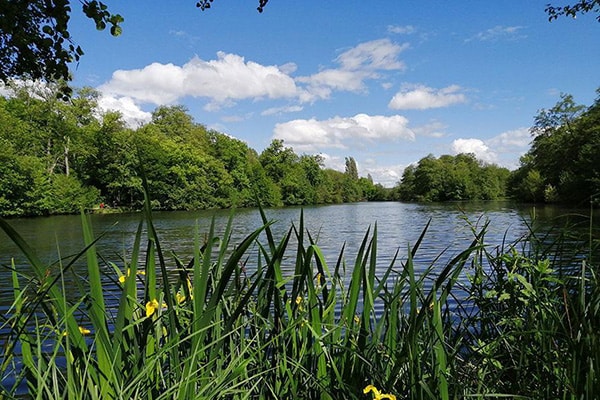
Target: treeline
[562, 165]
[57, 157]
[452, 178]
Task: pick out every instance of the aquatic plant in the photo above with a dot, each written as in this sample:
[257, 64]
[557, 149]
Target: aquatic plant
[486, 323]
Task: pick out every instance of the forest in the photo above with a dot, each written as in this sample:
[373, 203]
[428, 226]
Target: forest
[59, 155]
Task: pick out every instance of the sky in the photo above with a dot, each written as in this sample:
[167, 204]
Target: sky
[386, 82]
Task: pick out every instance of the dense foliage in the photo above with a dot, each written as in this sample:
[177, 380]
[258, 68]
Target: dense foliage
[449, 178]
[518, 320]
[563, 163]
[58, 156]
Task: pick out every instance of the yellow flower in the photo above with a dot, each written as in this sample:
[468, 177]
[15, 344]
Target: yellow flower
[151, 307]
[377, 394]
[180, 298]
[318, 279]
[299, 300]
[84, 331]
[356, 320]
[123, 277]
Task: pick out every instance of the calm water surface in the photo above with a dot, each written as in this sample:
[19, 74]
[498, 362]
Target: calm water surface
[399, 225]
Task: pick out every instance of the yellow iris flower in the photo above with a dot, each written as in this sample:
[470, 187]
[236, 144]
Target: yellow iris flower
[123, 277]
[151, 307]
[180, 298]
[84, 331]
[378, 395]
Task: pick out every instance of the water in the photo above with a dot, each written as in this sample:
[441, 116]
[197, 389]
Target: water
[399, 226]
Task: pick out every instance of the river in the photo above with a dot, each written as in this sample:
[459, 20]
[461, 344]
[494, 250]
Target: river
[399, 225]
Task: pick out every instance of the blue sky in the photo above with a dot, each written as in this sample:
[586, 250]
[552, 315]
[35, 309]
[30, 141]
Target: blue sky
[385, 82]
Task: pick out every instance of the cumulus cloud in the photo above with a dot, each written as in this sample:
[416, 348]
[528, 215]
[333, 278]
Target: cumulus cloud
[131, 113]
[356, 65]
[498, 32]
[228, 78]
[507, 147]
[512, 140]
[231, 78]
[421, 97]
[312, 134]
[475, 146]
[386, 175]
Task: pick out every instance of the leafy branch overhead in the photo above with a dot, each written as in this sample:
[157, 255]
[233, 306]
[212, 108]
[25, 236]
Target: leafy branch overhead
[204, 4]
[581, 7]
[35, 42]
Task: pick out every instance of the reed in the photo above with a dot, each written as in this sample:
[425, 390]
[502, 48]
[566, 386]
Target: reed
[208, 329]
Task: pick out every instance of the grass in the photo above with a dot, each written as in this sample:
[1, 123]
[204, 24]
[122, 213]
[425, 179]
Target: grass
[520, 329]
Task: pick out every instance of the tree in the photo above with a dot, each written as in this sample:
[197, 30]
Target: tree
[35, 42]
[450, 178]
[572, 10]
[562, 163]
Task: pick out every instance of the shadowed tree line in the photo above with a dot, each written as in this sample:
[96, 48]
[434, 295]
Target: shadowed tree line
[57, 156]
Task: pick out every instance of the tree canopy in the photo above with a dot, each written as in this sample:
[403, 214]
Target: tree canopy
[452, 178]
[572, 10]
[57, 156]
[563, 163]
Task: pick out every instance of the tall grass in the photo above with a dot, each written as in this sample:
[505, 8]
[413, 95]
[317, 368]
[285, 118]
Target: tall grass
[206, 328]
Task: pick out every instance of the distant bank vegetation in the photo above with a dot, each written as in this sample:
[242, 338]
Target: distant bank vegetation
[57, 157]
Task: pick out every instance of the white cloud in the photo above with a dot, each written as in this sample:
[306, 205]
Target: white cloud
[510, 146]
[433, 129]
[381, 54]
[356, 65]
[5, 91]
[401, 30]
[517, 139]
[475, 146]
[228, 78]
[386, 175]
[132, 114]
[420, 97]
[281, 110]
[337, 132]
[499, 32]
[333, 162]
[507, 147]
[338, 79]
